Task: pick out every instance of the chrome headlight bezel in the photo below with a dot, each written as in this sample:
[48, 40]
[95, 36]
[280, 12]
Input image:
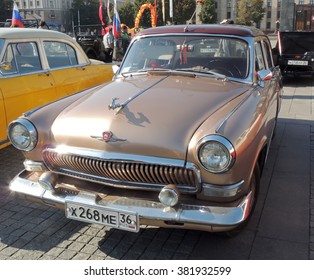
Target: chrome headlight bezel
[224, 146]
[27, 131]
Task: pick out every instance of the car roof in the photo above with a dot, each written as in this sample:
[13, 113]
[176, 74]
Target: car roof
[227, 29]
[28, 33]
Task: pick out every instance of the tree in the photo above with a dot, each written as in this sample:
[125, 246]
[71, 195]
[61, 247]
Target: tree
[183, 10]
[87, 10]
[250, 11]
[208, 13]
[126, 14]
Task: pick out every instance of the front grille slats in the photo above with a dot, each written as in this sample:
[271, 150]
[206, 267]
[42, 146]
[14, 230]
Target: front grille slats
[131, 174]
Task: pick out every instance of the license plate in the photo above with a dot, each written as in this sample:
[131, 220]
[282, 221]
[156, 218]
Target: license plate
[101, 215]
[297, 62]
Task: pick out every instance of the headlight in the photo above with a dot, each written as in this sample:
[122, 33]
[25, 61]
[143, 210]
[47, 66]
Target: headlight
[216, 153]
[22, 134]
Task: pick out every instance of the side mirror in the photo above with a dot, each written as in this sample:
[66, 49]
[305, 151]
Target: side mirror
[264, 75]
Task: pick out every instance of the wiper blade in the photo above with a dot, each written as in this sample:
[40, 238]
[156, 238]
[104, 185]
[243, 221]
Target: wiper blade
[203, 70]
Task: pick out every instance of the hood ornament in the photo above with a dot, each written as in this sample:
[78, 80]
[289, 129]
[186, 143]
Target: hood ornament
[114, 105]
[107, 136]
[118, 107]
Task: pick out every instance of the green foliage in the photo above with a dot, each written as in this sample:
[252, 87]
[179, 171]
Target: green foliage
[126, 14]
[250, 11]
[183, 10]
[88, 11]
[208, 13]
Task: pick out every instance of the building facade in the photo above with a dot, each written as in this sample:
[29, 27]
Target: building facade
[54, 12]
[286, 14]
[279, 14]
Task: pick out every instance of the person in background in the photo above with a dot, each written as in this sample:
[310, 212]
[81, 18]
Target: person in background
[108, 44]
[125, 39]
[43, 25]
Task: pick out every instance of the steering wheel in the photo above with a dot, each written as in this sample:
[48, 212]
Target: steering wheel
[219, 66]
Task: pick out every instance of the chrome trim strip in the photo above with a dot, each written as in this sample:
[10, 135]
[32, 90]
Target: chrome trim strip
[151, 210]
[219, 127]
[95, 154]
[34, 166]
[222, 191]
[119, 107]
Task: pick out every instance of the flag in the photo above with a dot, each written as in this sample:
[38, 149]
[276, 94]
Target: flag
[116, 26]
[100, 14]
[16, 17]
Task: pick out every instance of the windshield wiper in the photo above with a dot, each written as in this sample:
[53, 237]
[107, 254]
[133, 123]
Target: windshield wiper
[203, 70]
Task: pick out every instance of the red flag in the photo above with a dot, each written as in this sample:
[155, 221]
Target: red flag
[100, 14]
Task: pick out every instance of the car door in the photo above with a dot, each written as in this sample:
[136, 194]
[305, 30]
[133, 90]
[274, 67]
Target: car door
[3, 122]
[268, 87]
[68, 74]
[24, 83]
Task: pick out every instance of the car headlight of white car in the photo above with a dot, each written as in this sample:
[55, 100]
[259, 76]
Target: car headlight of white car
[22, 134]
[216, 153]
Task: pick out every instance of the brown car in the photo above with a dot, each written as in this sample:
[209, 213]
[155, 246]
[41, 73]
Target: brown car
[178, 139]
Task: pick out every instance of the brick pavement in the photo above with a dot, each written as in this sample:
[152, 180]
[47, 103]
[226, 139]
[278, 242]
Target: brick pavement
[282, 226]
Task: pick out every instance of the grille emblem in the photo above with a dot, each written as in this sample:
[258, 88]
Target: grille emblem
[107, 136]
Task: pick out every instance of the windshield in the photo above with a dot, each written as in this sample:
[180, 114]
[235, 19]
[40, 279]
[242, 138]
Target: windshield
[221, 55]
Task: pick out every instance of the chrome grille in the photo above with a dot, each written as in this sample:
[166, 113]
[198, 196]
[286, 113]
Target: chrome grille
[118, 173]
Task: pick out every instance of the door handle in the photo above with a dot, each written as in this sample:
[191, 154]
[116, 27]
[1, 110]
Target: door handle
[45, 73]
[81, 68]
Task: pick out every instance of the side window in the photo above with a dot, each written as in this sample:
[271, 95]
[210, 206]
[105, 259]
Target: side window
[22, 58]
[60, 54]
[259, 59]
[268, 55]
[8, 63]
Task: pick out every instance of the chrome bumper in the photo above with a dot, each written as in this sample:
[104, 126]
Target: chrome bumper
[209, 218]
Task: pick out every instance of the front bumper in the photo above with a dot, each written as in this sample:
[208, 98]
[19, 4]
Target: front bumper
[199, 217]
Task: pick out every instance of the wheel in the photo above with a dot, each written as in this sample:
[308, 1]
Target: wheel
[254, 188]
[91, 55]
[219, 66]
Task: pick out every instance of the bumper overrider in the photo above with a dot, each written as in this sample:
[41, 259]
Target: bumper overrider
[129, 213]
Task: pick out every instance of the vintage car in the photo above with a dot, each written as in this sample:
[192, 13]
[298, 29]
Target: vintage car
[178, 139]
[295, 53]
[38, 66]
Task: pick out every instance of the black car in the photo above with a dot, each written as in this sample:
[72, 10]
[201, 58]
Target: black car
[90, 39]
[295, 53]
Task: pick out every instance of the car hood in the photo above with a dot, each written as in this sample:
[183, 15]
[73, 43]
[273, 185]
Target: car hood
[159, 117]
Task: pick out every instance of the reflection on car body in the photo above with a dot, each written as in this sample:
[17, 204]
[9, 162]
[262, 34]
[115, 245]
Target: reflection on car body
[179, 138]
[40, 66]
